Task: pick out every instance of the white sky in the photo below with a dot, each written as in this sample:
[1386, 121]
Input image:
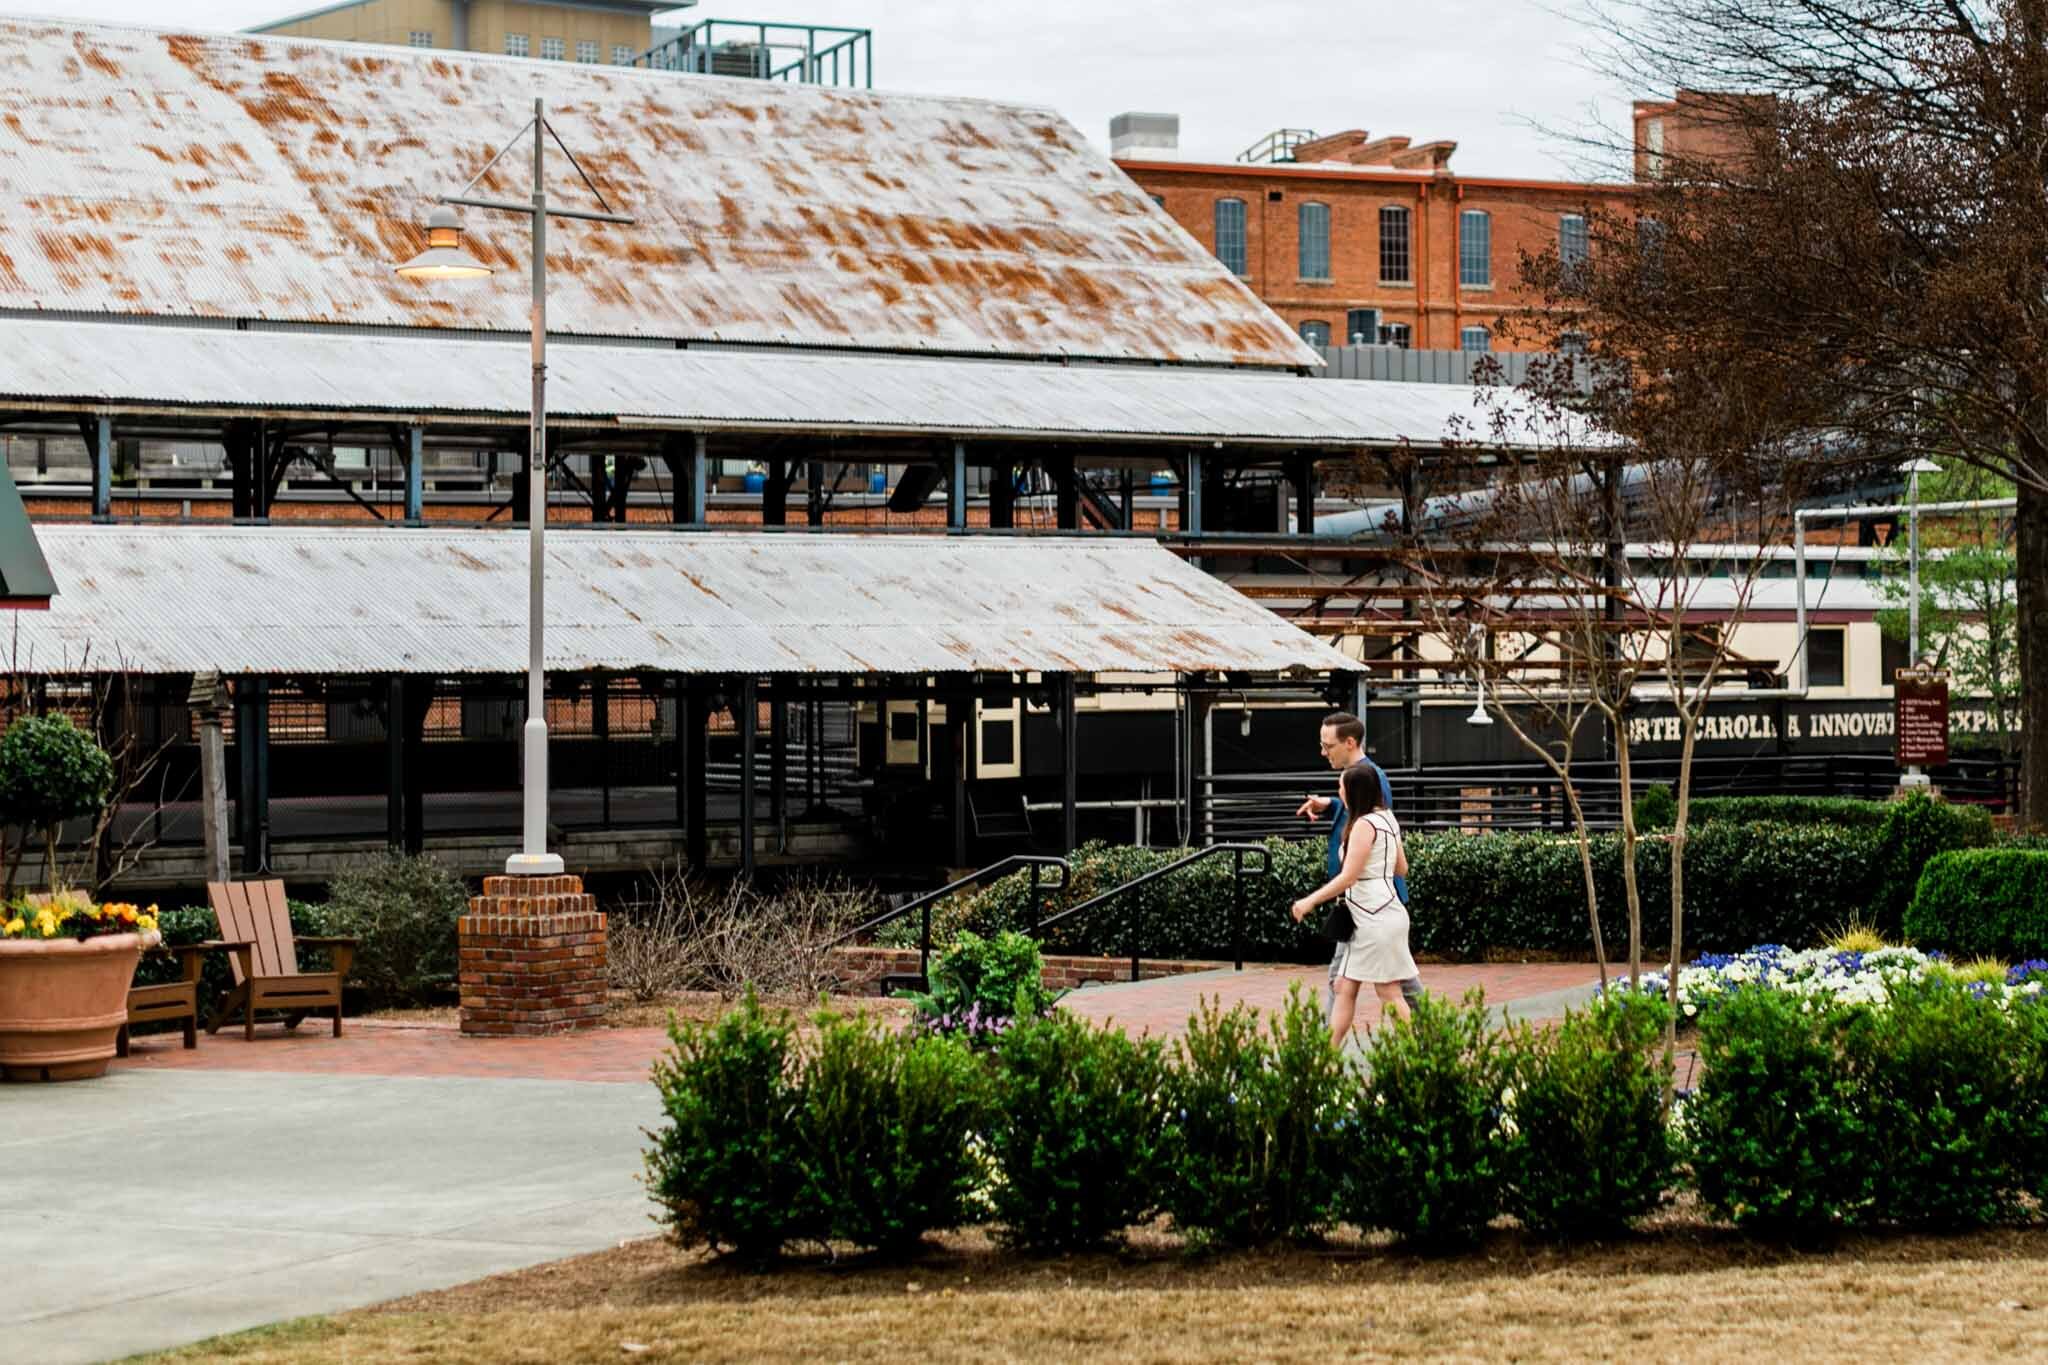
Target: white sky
[1499, 77]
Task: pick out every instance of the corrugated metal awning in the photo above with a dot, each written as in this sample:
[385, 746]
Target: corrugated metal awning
[178, 599]
[24, 575]
[93, 366]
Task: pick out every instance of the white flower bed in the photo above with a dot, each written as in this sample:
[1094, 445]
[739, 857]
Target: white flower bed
[1824, 974]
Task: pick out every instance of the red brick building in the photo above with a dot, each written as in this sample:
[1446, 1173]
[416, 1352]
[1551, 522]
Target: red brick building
[1377, 239]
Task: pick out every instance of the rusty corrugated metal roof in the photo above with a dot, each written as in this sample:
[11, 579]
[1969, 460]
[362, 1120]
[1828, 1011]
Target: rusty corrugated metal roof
[102, 365]
[212, 175]
[176, 599]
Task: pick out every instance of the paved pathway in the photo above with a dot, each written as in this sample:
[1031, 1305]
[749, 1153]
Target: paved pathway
[194, 1193]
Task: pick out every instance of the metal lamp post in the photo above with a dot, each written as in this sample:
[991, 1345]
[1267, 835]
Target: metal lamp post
[1479, 715]
[1913, 469]
[444, 259]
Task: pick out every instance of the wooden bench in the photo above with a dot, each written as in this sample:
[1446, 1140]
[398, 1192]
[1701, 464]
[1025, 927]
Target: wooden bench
[256, 927]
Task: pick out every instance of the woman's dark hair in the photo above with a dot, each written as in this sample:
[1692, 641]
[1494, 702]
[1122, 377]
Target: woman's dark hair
[1359, 784]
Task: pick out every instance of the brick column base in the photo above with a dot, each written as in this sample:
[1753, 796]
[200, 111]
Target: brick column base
[532, 958]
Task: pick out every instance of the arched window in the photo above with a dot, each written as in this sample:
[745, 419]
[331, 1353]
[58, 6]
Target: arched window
[1315, 241]
[1230, 235]
[1394, 245]
[1316, 333]
[1475, 247]
[1475, 339]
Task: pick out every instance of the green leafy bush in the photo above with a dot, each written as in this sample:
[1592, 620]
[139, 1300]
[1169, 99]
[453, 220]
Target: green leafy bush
[1848, 811]
[1254, 1124]
[1422, 1153]
[1656, 808]
[1983, 902]
[1588, 1148]
[2030, 1061]
[402, 911]
[886, 1123]
[1776, 1132]
[728, 1166]
[51, 771]
[1942, 1079]
[980, 985]
[1914, 830]
[1077, 1132]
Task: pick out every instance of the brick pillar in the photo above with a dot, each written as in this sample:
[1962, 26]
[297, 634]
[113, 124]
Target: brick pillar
[532, 958]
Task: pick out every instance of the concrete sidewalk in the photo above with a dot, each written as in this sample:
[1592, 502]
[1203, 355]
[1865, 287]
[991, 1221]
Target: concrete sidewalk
[154, 1208]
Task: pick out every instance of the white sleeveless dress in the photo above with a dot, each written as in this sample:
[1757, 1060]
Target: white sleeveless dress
[1379, 934]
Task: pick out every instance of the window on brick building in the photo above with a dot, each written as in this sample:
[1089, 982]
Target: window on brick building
[420, 37]
[622, 55]
[553, 49]
[515, 45]
[1394, 334]
[1653, 148]
[1572, 246]
[1475, 339]
[1393, 245]
[1230, 247]
[1475, 247]
[1315, 242]
[1573, 343]
[1362, 327]
[1316, 333]
[1826, 658]
[586, 51]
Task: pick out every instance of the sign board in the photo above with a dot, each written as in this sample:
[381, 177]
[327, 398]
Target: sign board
[1920, 717]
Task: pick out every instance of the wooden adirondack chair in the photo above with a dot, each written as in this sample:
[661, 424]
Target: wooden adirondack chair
[175, 1001]
[256, 926]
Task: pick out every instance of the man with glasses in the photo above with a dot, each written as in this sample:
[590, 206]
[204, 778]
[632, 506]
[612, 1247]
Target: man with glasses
[1343, 744]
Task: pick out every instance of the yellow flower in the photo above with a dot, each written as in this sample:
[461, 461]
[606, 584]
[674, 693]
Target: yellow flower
[15, 926]
[145, 922]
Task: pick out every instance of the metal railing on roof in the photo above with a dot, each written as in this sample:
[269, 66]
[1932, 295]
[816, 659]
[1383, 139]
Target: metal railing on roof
[801, 54]
[1277, 145]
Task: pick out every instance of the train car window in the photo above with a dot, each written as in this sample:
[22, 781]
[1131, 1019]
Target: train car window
[903, 727]
[998, 741]
[1895, 657]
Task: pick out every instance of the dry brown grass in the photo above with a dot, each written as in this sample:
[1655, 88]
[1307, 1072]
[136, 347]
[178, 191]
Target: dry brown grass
[1679, 1292]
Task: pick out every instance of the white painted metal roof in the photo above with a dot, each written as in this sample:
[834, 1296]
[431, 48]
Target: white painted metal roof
[175, 599]
[116, 366]
[236, 176]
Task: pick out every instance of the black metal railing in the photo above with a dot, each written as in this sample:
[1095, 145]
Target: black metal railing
[922, 905]
[1238, 854]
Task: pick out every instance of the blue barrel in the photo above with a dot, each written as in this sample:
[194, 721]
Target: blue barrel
[878, 481]
[754, 482]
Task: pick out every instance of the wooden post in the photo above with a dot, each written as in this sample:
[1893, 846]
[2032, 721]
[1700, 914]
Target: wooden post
[206, 698]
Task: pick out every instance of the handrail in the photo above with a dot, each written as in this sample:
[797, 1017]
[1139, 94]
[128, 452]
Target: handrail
[1034, 861]
[1237, 875]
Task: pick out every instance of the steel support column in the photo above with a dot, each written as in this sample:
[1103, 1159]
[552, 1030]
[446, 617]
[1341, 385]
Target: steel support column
[694, 743]
[1305, 495]
[415, 474]
[698, 482]
[103, 469]
[1002, 495]
[956, 489]
[961, 713]
[1070, 762]
[1191, 503]
[775, 494]
[394, 762]
[252, 755]
[1066, 493]
[778, 763]
[747, 703]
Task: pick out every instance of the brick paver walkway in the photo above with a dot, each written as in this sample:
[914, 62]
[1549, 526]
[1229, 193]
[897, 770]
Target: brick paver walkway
[370, 1048]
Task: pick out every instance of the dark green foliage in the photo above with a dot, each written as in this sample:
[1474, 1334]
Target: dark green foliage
[402, 911]
[1077, 1132]
[1422, 1153]
[1914, 830]
[1656, 808]
[2030, 1063]
[196, 924]
[1776, 1132]
[1943, 1103]
[885, 1122]
[980, 984]
[1983, 902]
[1848, 811]
[51, 771]
[1588, 1151]
[1254, 1127]
[728, 1168]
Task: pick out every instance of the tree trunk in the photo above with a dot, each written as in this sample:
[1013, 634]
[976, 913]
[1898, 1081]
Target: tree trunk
[1691, 724]
[1628, 851]
[2030, 576]
[1571, 795]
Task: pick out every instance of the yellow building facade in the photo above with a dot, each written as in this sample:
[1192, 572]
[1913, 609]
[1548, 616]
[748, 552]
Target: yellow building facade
[597, 32]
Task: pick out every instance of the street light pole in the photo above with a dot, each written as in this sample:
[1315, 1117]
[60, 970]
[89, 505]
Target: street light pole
[444, 259]
[1914, 469]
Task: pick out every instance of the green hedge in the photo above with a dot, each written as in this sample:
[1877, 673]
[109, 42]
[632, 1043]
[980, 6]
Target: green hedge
[1746, 884]
[1983, 902]
[1788, 810]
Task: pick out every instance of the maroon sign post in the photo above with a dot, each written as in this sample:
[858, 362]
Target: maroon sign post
[1920, 717]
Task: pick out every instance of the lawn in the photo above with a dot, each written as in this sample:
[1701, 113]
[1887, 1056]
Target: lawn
[1679, 1291]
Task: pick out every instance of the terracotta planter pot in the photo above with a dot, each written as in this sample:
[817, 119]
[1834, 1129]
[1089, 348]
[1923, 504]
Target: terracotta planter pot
[61, 1003]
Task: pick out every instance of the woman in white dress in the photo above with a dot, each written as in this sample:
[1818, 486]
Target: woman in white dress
[1373, 857]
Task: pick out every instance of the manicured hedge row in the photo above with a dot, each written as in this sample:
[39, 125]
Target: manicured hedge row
[1983, 902]
[1746, 884]
[1812, 1117]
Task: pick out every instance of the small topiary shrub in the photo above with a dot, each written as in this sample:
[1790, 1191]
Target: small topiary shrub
[50, 771]
[979, 986]
[887, 1122]
[1989, 901]
[1775, 1132]
[728, 1165]
[402, 912]
[1588, 1150]
[1656, 808]
[1422, 1155]
[1943, 1106]
[1077, 1132]
[1254, 1124]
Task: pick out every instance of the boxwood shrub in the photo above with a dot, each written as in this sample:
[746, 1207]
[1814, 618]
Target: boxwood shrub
[1787, 810]
[1983, 902]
